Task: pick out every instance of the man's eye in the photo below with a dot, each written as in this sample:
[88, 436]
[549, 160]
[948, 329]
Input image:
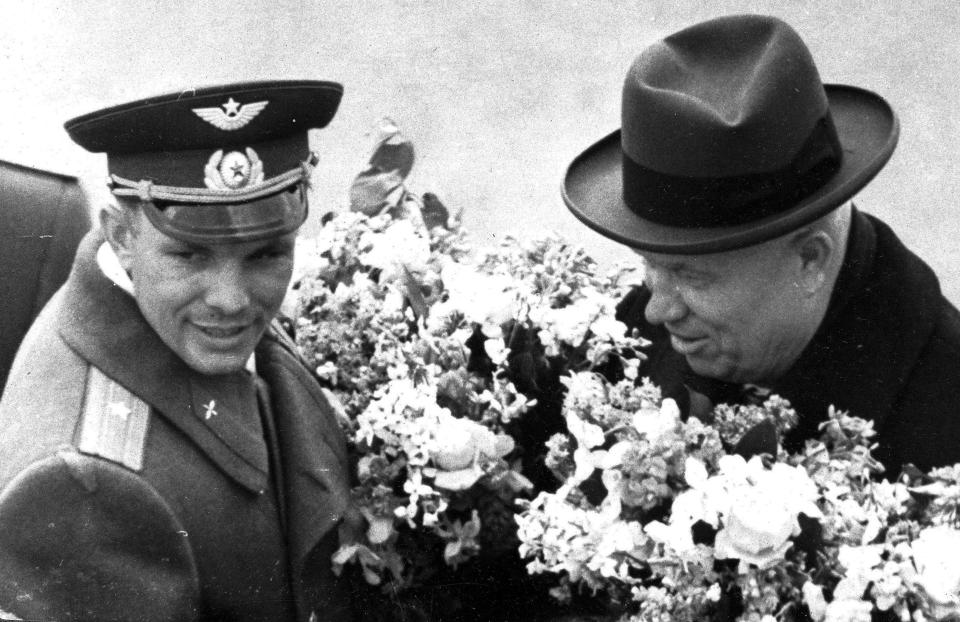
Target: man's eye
[186, 255]
[270, 253]
[694, 279]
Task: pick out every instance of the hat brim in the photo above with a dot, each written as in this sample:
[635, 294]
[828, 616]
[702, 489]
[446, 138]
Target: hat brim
[593, 186]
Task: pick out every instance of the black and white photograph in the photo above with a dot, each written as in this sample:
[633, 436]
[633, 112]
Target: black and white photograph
[432, 311]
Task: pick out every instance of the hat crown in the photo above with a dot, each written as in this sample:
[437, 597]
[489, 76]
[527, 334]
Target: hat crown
[733, 96]
[728, 139]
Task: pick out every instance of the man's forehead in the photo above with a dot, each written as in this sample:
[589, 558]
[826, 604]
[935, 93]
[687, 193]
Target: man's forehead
[677, 263]
[280, 239]
[715, 262]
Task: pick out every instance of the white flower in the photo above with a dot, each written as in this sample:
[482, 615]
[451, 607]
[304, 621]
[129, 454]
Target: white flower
[488, 300]
[608, 328]
[497, 350]
[813, 597]
[713, 593]
[379, 528]
[397, 248]
[760, 508]
[676, 536]
[571, 323]
[755, 531]
[858, 563]
[892, 497]
[328, 371]
[584, 390]
[588, 435]
[655, 422]
[936, 553]
[848, 610]
[458, 445]
[548, 340]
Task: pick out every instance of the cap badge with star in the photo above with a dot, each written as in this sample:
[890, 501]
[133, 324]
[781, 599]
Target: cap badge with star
[215, 164]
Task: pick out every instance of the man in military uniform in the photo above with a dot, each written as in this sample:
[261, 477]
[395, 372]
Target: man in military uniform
[166, 455]
[732, 177]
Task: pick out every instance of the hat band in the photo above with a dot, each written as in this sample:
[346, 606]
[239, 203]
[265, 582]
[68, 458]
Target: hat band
[147, 191]
[703, 202]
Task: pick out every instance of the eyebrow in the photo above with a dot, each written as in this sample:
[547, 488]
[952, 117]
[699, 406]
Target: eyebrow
[173, 243]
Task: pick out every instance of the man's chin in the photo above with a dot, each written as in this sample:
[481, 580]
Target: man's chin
[209, 355]
[216, 364]
[708, 368]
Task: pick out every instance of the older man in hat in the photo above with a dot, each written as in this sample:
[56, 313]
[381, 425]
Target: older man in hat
[732, 177]
[166, 455]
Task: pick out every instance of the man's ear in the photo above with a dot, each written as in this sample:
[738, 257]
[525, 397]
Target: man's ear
[815, 251]
[117, 224]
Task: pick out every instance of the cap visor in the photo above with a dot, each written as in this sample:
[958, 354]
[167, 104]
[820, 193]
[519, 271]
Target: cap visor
[272, 216]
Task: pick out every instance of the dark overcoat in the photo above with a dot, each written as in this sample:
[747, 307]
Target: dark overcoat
[221, 500]
[887, 350]
[43, 216]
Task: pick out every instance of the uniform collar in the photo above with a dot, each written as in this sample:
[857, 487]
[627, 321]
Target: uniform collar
[102, 323]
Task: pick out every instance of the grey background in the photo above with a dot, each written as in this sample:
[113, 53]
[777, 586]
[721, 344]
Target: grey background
[497, 96]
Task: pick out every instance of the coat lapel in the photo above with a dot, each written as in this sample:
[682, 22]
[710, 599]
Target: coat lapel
[312, 448]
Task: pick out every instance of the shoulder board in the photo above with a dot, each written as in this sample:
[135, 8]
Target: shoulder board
[114, 421]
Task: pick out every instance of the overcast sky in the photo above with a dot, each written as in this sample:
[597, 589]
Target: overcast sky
[497, 96]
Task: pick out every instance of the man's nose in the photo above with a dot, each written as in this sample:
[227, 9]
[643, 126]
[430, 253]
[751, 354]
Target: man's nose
[227, 291]
[666, 303]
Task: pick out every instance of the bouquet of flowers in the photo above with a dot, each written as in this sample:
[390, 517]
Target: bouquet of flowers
[687, 520]
[424, 340]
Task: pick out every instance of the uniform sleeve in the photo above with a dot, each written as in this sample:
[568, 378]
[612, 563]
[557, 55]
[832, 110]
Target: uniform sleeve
[85, 539]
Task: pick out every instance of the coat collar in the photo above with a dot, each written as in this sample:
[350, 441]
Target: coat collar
[102, 323]
[881, 315]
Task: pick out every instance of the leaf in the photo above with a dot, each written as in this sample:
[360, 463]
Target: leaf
[414, 295]
[380, 185]
[435, 213]
[392, 150]
[760, 439]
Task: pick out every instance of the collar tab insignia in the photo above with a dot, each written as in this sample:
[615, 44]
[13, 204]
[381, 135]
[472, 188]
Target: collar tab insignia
[208, 410]
[231, 115]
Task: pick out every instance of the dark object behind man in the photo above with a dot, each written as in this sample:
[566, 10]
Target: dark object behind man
[43, 215]
[732, 177]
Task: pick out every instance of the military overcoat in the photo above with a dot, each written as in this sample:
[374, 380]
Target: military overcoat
[167, 495]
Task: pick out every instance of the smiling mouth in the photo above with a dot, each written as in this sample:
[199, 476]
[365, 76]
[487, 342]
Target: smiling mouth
[687, 345]
[221, 332]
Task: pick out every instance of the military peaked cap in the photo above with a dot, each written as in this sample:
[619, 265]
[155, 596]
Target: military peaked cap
[215, 164]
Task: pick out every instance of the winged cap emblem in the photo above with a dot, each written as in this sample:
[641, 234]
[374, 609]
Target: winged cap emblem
[231, 115]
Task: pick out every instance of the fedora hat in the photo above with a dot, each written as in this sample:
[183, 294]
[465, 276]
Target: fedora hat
[728, 138]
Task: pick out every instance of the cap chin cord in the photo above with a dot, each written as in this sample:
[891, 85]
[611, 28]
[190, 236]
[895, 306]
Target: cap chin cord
[148, 191]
